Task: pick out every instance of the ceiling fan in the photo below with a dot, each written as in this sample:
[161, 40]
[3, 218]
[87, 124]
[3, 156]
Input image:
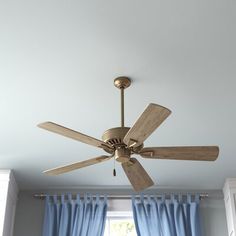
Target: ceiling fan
[122, 142]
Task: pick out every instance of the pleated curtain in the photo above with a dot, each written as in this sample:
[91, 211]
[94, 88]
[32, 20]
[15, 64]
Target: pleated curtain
[175, 216]
[80, 217]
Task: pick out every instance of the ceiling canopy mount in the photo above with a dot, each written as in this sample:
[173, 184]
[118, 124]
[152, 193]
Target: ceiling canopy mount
[122, 82]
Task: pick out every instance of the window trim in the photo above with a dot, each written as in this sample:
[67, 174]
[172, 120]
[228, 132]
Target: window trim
[117, 215]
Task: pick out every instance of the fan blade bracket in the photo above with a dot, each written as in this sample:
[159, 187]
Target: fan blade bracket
[132, 143]
[148, 153]
[129, 163]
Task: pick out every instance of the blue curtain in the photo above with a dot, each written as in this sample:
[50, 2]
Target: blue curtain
[175, 216]
[67, 217]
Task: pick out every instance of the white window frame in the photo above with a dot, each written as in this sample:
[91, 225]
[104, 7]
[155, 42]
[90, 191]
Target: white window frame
[117, 215]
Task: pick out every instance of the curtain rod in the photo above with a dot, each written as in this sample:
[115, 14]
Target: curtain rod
[42, 196]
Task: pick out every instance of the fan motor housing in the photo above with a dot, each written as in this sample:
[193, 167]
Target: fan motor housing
[115, 136]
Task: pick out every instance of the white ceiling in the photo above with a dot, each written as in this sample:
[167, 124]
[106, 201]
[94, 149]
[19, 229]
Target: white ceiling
[58, 60]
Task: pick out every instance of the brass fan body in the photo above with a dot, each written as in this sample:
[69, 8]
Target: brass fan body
[122, 142]
[114, 137]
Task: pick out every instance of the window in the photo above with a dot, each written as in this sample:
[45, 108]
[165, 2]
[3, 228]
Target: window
[120, 224]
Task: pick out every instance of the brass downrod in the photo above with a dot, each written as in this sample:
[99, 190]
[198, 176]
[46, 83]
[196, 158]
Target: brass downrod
[122, 107]
[122, 83]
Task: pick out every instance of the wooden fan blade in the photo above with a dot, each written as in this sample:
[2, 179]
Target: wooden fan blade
[195, 153]
[55, 128]
[136, 174]
[149, 120]
[77, 165]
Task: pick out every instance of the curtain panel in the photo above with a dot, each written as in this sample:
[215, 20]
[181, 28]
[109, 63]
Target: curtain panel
[174, 216]
[80, 217]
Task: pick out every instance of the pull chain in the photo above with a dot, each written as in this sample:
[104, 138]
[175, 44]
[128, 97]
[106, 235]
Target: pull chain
[114, 169]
